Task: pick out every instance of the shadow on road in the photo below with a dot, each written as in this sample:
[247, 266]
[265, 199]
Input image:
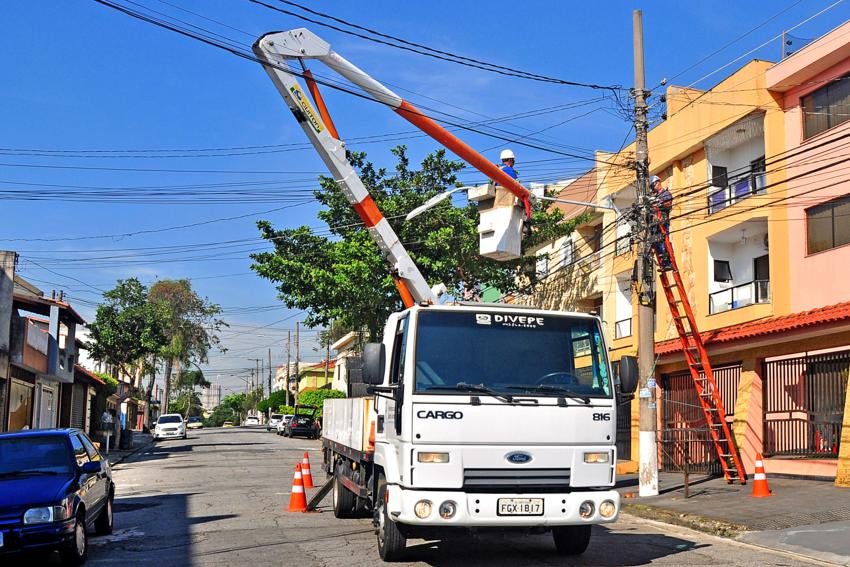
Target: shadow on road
[607, 547]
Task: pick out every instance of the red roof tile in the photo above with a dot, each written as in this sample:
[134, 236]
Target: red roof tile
[767, 326]
[86, 373]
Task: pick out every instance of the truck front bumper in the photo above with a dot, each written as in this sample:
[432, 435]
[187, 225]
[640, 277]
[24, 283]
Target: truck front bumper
[481, 509]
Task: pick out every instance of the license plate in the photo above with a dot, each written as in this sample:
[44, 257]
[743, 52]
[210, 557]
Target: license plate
[519, 507]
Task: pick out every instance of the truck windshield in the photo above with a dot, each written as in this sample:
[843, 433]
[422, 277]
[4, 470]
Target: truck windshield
[540, 355]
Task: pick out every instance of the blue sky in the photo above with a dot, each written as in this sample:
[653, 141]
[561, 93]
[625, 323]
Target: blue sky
[82, 77]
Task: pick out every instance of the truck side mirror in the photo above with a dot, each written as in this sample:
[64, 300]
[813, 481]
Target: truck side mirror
[374, 358]
[629, 374]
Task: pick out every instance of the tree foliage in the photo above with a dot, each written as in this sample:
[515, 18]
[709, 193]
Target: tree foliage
[317, 398]
[190, 325]
[275, 400]
[343, 278]
[126, 329]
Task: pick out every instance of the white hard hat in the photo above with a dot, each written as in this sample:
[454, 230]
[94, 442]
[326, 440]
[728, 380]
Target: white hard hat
[506, 154]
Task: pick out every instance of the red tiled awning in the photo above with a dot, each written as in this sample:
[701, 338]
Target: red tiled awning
[767, 326]
[79, 369]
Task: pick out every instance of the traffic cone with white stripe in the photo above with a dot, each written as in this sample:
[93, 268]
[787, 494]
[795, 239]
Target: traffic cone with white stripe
[297, 498]
[760, 488]
[305, 471]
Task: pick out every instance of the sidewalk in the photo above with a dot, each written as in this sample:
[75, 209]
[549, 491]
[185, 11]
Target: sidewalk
[140, 442]
[803, 516]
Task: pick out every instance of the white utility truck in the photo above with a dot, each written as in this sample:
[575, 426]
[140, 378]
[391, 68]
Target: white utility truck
[478, 416]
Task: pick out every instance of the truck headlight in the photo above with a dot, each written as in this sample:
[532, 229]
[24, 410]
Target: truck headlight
[422, 509]
[447, 509]
[433, 457]
[586, 509]
[603, 457]
[607, 509]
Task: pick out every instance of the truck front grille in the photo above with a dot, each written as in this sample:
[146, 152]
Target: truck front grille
[516, 480]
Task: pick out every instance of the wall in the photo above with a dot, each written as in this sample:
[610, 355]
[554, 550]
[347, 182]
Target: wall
[817, 279]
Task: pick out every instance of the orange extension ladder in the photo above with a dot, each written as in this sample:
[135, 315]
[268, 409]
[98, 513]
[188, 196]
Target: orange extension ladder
[699, 366]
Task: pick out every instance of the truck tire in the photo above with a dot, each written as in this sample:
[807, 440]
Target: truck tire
[391, 542]
[571, 540]
[344, 501]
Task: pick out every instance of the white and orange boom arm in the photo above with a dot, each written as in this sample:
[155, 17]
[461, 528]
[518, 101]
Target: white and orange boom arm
[277, 49]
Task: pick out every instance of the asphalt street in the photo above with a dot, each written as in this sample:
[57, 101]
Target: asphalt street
[219, 498]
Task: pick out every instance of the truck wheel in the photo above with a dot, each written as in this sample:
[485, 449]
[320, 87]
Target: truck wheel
[344, 500]
[391, 542]
[571, 540]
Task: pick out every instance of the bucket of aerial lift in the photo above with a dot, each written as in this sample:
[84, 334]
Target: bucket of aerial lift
[481, 193]
[500, 232]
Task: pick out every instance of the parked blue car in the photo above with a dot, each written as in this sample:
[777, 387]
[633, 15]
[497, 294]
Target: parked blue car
[54, 487]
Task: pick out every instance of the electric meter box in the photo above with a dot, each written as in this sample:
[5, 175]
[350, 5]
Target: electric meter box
[500, 233]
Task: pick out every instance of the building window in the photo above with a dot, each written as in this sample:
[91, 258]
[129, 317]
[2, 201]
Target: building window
[828, 225]
[827, 107]
[543, 265]
[722, 271]
[567, 252]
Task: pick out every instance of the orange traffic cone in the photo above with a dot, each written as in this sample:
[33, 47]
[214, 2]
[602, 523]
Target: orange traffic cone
[305, 471]
[297, 498]
[760, 488]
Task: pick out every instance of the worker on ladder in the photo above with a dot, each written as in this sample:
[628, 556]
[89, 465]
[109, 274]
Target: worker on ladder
[663, 200]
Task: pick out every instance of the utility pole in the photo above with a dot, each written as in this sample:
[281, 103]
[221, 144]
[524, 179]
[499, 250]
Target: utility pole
[270, 372]
[648, 439]
[297, 357]
[327, 358]
[288, 359]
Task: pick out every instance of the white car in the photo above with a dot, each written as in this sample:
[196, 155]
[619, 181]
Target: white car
[169, 426]
[282, 424]
[274, 419]
[252, 420]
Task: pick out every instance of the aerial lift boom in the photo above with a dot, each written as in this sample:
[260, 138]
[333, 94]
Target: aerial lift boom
[276, 50]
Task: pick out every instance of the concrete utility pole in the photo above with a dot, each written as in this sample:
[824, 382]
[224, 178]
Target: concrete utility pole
[270, 372]
[288, 359]
[297, 358]
[648, 439]
[327, 358]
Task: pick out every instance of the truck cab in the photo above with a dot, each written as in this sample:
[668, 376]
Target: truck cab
[491, 416]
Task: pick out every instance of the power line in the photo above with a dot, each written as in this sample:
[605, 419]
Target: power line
[425, 50]
[251, 57]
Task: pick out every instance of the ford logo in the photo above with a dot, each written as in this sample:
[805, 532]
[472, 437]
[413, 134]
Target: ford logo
[518, 458]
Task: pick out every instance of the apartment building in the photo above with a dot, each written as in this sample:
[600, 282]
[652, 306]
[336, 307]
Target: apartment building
[760, 227]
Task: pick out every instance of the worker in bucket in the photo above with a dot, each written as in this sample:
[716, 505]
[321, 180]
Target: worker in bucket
[508, 160]
[664, 201]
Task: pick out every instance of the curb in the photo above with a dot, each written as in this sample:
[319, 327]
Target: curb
[692, 521]
[130, 454]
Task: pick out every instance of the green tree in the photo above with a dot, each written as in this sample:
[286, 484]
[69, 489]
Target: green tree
[126, 329]
[190, 324]
[272, 402]
[343, 277]
[220, 414]
[187, 399]
[317, 398]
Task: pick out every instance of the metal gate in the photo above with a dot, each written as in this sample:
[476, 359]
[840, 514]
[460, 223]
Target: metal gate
[804, 404]
[684, 421]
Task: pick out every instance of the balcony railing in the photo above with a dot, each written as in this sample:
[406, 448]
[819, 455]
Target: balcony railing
[623, 328]
[735, 297]
[738, 189]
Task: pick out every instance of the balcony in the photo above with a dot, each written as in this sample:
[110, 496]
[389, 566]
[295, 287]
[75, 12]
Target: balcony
[737, 190]
[739, 266]
[742, 295]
